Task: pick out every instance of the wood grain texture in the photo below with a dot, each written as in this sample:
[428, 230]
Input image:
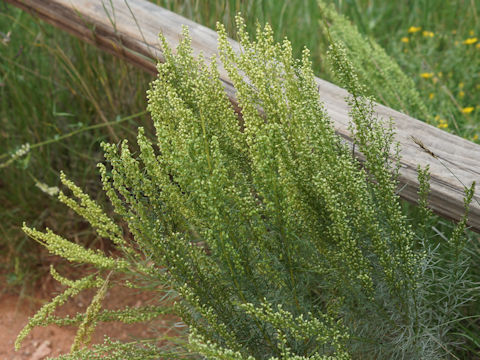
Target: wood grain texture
[130, 28]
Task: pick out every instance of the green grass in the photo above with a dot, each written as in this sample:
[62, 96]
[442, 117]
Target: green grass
[64, 97]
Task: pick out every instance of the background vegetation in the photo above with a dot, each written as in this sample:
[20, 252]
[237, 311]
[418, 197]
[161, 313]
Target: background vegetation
[64, 97]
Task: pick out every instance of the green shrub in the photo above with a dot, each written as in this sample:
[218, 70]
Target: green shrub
[276, 242]
[377, 71]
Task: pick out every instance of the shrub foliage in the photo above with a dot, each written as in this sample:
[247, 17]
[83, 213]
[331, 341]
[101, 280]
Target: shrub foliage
[275, 240]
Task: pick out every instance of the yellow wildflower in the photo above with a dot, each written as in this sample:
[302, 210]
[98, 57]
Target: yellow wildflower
[437, 117]
[478, 45]
[461, 94]
[468, 109]
[405, 39]
[470, 41]
[414, 29]
[440, 74]
[426, 75]
[461, 85]
[443, 124]
[475, 137]
[431, 96]
[428, 34]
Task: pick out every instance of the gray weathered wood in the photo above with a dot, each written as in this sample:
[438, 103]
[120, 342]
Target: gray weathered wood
[129, 28]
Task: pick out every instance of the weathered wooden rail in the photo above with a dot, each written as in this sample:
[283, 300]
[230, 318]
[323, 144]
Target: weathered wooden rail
[129, 28]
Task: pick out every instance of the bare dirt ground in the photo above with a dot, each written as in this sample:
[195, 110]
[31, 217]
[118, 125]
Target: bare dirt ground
[53, 340]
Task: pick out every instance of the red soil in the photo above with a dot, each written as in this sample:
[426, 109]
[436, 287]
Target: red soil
[53, 340]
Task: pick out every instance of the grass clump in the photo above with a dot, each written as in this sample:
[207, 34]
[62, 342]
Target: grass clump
[274, 240]
[59, 99]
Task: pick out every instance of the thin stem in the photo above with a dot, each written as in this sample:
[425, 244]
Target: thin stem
[75, 132]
